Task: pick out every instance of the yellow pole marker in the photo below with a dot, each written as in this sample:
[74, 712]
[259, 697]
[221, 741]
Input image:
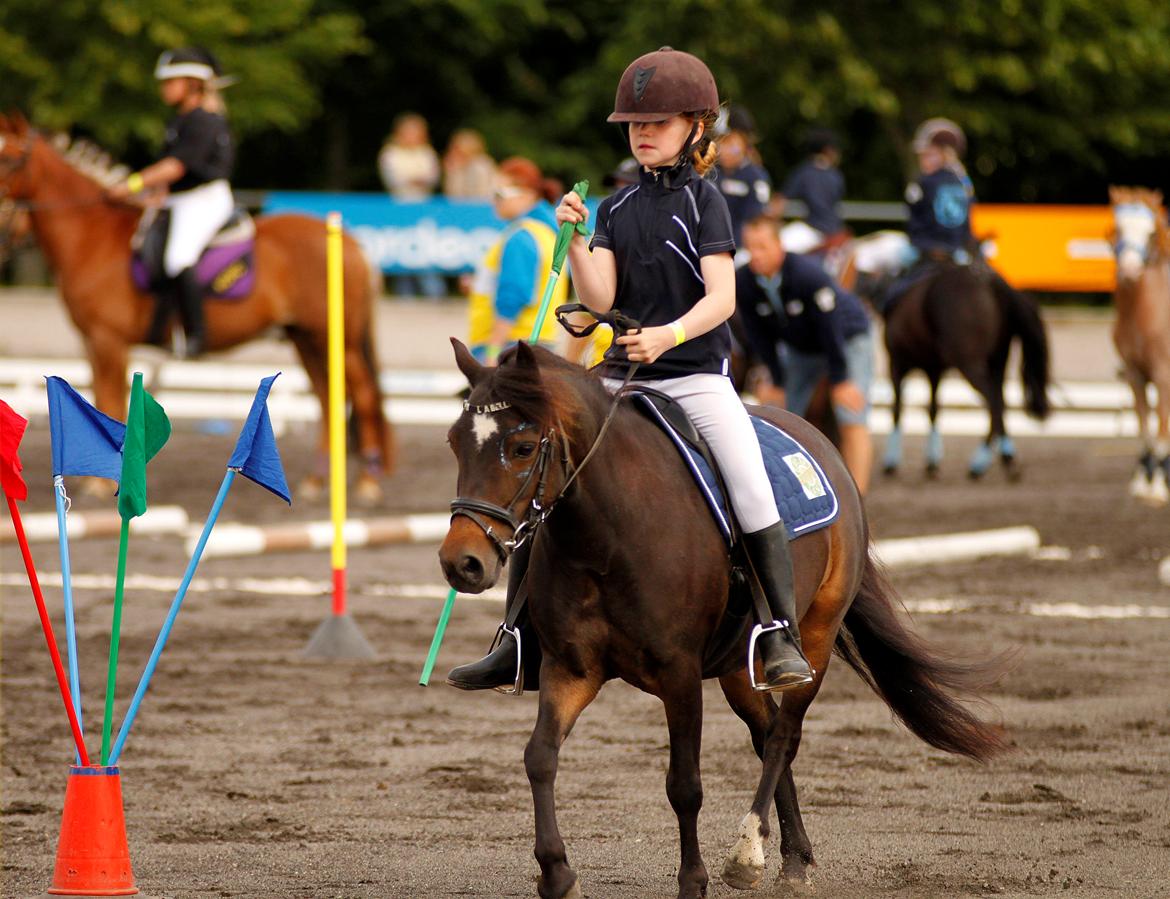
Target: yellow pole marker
[337, 458]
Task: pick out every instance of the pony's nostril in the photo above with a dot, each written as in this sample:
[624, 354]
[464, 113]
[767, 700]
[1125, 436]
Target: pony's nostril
[471, 568]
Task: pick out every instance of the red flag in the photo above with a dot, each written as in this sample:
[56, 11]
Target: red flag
[11, 431]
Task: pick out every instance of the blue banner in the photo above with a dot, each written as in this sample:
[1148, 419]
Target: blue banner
[448, 236]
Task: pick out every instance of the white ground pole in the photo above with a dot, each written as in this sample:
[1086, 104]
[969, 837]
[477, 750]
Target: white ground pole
[158, 520]
[1164, 571]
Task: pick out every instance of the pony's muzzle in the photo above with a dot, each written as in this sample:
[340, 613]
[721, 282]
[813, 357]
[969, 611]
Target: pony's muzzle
[1130, 264]
[470, 563]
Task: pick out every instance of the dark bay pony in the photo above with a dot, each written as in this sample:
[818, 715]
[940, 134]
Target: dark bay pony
[629, 578]
[965, 317]
[1141, 331]
[87, 242]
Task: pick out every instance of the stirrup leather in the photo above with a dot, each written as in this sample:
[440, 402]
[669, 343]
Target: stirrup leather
[517, 687]
[758, 631]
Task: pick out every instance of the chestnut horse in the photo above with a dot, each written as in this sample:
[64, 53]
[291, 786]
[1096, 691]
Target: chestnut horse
[615, 594]
[87, 242]
[1141, 331]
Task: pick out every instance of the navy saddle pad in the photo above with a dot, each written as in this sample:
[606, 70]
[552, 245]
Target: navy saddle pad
[804, 495]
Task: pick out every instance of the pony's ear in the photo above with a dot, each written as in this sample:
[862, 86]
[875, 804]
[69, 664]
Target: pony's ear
[18, 122]
[472, 370]
[1114, 195]
[524, 357]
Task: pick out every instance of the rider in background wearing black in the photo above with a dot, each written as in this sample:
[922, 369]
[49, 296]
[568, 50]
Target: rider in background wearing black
[819, 184]
[743, 181]
[194, 167]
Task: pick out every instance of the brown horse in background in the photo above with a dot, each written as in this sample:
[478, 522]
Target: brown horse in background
[87, 242]
[1141, 331]
[630, 578]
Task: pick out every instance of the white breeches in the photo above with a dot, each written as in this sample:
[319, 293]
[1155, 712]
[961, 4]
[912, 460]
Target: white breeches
[195, 217]
[717, 412]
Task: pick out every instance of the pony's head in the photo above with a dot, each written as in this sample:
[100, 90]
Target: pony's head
[513, 444]
[1139, 221]
[16, 147]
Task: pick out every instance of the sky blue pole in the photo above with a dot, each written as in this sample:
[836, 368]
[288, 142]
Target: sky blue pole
[67, 589]
[161, 642]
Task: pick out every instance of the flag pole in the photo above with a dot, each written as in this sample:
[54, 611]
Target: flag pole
[115, 638]
[62, 500]
[564, 237]
[168, 624]
[47, 627]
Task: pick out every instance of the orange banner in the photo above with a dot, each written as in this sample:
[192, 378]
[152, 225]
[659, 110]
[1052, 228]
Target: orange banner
[1048, 247]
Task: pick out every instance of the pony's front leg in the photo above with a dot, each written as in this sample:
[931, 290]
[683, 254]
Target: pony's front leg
[683, 697]
[563, 697]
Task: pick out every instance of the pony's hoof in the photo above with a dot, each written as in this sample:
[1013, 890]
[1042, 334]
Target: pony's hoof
[573, 892]
[932, 472]
[311, 489]
[890, 471]
[369, 490]
[99, 488]
[975, 474]
[741, 876]
[795, 885]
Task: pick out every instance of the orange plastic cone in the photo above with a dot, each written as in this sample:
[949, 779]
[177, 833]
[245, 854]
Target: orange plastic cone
[92, 856]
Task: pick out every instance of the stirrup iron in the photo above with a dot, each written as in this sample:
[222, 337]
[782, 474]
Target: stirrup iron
[758, 631]
[517, 688]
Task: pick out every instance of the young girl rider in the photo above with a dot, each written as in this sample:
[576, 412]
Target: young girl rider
[194, 166]
[662, 253]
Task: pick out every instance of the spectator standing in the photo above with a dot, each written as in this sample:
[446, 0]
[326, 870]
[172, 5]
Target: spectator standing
[743, 181]
[409, 167]
[469, 173]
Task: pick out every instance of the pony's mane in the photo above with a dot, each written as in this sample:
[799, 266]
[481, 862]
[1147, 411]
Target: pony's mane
[564, 392]
[88, 159]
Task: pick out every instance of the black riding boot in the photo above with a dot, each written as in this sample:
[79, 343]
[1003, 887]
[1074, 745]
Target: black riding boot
[498, 667]
[190, 301]
[784, 663]
[165, 301]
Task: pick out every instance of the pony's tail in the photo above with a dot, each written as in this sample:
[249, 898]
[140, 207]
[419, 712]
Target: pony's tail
[385, 429]
[923, 689]
[1025, 317]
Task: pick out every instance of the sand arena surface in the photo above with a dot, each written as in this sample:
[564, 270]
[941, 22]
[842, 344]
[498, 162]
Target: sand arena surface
[252, 773]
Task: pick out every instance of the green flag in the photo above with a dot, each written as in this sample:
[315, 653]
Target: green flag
[565, 234]
[147, 430]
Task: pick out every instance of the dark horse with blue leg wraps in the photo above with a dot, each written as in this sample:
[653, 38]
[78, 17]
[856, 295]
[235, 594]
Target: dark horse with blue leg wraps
[965, 317]
[631, 577]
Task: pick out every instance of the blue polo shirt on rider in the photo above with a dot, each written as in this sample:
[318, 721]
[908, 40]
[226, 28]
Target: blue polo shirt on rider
[747, 190]
[659, 230]
[940, 212]
[821, 188]
[803, 307]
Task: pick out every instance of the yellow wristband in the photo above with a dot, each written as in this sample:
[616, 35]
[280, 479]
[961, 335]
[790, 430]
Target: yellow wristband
[680, 333]
[135, 183]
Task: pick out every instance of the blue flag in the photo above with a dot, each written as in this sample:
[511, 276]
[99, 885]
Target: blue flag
[256, 456]
[84, 440]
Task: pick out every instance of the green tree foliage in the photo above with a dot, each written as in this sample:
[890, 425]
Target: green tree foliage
[1057, 96]
[89, 63]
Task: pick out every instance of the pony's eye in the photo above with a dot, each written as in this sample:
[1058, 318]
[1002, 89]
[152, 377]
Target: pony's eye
[524, 450]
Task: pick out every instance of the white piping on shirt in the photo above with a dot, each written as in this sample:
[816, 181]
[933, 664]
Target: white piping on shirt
[690, 242]
[690, 265]
[694, 203]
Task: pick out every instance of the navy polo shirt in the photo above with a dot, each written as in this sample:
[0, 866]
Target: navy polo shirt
[202, 142]
[821, 188]
[807, 310]
[940, 212]
[658, 230]
[746, 190]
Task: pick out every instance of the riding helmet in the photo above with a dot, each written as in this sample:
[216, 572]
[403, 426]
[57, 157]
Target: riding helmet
[665, 83]
[187, 62]
[940, 132]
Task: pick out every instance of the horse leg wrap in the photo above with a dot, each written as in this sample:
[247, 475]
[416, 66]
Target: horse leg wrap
[893, 455]
[981, 460]
[934, 448]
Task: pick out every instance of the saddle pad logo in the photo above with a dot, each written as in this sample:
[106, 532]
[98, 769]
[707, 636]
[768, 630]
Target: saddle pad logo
[642, 81]
[810, 481]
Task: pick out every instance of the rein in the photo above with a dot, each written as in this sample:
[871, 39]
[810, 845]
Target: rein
[538, 510]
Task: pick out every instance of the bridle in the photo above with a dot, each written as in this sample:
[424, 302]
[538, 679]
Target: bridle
[538, 509]
[1123, 243]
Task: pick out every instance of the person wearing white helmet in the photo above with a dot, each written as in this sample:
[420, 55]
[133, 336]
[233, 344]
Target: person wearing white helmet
[193, 170]
[662, 253]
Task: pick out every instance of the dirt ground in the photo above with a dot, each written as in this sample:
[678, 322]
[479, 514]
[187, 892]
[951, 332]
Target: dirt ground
[254, 773]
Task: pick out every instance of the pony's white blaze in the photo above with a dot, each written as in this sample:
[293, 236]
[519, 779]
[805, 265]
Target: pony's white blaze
[744, 868]
[484, 426]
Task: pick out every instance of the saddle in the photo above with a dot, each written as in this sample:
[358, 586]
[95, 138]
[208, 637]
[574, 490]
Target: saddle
[225, 270]
[805, 499]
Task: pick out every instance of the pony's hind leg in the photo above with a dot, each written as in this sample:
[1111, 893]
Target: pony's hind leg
[312, 355]
[934, 441]
[563, 697]
[683, 699]
[892, 457]
[361, 376]
[776, 739]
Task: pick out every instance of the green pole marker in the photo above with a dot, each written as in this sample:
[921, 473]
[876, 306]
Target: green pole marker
[560, 251]
[115, 636]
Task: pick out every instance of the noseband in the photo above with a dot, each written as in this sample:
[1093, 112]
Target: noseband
[1122, 243]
